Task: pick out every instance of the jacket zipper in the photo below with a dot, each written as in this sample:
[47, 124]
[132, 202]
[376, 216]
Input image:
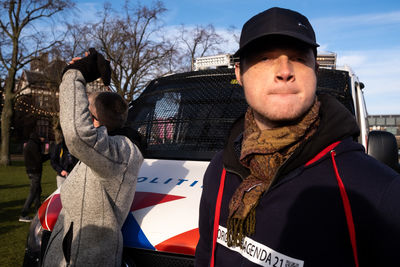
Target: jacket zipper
[347, 208]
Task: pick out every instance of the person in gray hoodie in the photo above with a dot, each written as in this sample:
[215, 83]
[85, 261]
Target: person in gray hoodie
[97, 196]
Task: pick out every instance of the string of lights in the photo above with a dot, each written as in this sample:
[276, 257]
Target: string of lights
[22, 106]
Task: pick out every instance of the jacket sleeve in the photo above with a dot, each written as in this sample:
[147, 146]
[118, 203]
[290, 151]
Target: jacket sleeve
[55, 159]
[207, 211]
[104, 154]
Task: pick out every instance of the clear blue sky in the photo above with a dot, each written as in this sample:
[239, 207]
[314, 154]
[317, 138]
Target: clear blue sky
[365, 34]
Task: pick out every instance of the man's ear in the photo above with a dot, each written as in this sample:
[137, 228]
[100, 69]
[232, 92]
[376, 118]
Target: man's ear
[238, 73]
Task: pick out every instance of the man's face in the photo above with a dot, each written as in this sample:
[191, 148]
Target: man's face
[279, 80]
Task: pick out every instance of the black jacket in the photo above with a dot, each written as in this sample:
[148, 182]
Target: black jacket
[302, 216]
[33, 155]
[61, 159]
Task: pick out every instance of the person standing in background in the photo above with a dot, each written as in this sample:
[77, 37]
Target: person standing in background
[33, 158]
[61, 160]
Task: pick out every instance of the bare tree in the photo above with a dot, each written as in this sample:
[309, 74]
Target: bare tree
[198, 42]
[20, 41]
[2, 83]
[135, 45]
[234, 34]
[78, 39]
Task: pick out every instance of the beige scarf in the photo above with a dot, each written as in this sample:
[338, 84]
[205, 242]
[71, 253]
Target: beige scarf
[263, 152]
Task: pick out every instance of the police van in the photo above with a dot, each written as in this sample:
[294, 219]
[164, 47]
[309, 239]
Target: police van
[184, 120]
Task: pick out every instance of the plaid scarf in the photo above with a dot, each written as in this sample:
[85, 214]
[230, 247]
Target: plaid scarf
[263, 152]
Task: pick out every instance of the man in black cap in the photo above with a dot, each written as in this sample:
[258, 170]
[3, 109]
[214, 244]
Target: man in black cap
[291, 187]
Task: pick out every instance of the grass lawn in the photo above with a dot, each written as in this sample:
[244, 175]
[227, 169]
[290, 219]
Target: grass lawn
[14, 188]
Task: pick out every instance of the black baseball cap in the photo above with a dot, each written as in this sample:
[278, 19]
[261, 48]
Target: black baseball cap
[277, 21]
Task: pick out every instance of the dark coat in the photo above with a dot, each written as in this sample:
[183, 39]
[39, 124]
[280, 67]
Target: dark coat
[302, 214]
[33, 154]
[61, 159]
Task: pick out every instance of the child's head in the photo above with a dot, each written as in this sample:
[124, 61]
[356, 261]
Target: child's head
[108, 109]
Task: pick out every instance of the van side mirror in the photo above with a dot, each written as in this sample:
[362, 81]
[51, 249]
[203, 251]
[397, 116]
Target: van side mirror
[382, 146]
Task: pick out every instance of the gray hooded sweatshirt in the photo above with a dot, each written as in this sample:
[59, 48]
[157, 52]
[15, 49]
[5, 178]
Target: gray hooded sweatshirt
[97, 196]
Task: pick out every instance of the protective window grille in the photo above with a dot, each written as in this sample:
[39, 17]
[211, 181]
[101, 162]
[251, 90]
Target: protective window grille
[337, 84]
[189, 115]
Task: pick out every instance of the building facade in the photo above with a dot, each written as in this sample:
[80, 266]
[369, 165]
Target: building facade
[390, 123]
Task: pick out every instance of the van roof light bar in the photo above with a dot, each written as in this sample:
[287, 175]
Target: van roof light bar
[210, 62]
[327, 61]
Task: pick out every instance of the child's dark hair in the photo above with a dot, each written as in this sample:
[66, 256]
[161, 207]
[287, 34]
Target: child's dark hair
[111, 109]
